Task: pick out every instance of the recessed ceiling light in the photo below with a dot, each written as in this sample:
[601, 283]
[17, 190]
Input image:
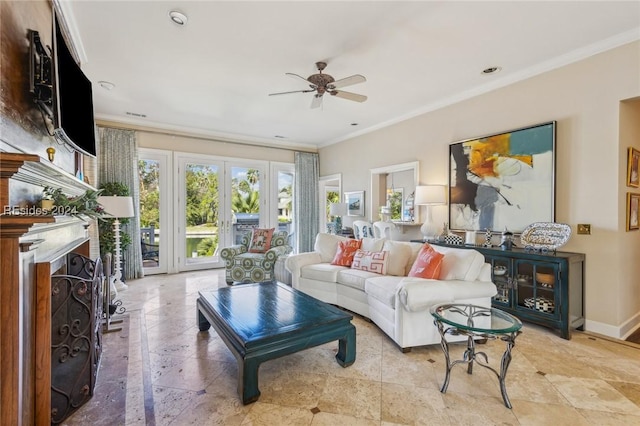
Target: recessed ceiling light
[106, 85]
[178, 18]
[280, 137]
[354, 124]
[491, 70]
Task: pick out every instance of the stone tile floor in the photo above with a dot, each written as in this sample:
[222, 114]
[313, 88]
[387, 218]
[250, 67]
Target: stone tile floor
[177, 375]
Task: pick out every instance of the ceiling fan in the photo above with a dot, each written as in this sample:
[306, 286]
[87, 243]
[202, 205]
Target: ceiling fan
[324, 83]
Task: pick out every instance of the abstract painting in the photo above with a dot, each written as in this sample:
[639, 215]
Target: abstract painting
[506, 180]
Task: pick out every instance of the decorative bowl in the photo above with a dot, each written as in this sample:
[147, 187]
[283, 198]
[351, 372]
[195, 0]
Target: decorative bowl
[499, 270]
[546, 279]
[524, 278]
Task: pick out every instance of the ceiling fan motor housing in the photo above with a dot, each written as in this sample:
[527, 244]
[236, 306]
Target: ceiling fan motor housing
[320, 81]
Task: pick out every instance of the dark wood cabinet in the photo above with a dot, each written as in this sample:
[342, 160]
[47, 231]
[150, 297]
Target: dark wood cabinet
[542, 288]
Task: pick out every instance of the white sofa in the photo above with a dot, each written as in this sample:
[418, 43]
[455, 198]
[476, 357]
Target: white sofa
[396, 303]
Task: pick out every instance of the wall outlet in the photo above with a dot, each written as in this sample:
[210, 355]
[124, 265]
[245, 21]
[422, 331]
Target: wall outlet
[584, 228]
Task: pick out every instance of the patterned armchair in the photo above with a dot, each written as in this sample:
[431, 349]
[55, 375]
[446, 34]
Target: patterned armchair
[245, 267]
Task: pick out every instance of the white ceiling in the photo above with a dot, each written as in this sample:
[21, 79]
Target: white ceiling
[213, 76]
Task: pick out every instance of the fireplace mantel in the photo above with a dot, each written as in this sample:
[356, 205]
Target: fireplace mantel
[31, 245]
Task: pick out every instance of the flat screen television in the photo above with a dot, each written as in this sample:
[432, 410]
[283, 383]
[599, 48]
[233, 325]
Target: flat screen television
[72, 98]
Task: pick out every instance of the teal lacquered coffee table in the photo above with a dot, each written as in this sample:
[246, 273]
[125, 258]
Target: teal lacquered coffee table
[263, 321]
[476, 322]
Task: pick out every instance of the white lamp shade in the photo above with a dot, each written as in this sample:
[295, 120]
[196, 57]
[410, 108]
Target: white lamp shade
[430, 195]
[338, 209]
[117, 206]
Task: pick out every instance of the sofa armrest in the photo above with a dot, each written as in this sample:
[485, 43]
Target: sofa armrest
[418, 294]
[230, 252]
[295, 262]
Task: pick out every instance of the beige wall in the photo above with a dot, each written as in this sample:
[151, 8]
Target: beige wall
[585, 98]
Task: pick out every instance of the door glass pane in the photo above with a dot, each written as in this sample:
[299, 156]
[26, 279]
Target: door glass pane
[245, 201]
[285, 201]
[201, 212]
[149, 177]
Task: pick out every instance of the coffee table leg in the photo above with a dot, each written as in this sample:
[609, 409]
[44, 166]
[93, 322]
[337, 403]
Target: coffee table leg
[248, 380]
[347, 348]
[203, 323]
[504, 365]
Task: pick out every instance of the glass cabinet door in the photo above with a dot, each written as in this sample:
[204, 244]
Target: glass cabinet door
[535, 287]
[501, 275]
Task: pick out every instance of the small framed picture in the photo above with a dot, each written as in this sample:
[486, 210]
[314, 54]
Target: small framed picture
[633, 205]
[355, 203]
[633, 178]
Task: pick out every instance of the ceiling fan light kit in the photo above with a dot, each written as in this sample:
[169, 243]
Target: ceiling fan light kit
[324, 83]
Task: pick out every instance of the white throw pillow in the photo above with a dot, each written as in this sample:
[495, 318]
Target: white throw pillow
[327, 246]
[372, 244]
[399, 255]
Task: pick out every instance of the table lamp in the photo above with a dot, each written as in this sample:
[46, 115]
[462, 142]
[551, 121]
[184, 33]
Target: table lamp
[429, 195]
[117, 207]
[337, 210]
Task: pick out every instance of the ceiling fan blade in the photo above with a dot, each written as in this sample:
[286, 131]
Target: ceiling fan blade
[316, 102]
[348, 95]
[290, 74]
[294, 91]
[347, 81]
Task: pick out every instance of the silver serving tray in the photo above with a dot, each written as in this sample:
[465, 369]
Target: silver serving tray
[545, 235]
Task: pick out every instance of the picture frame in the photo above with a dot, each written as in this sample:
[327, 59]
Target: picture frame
[355, 203]
[503, 181]
[633, 209]
[633, 164]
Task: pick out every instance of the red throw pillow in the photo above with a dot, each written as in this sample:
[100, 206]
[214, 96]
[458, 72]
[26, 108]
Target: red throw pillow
[346, 250]
[261, 240]
[372, 261]
[428, 263]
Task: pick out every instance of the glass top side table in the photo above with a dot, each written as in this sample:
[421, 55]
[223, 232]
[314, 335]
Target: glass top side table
[476, 322]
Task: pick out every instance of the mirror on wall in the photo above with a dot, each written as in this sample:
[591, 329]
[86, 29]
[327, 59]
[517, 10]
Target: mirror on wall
[392, 189]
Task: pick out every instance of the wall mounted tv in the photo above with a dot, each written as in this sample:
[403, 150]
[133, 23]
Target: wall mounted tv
[70, 106]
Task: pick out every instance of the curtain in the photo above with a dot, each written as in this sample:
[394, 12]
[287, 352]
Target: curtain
[306, 209]
[118, 162]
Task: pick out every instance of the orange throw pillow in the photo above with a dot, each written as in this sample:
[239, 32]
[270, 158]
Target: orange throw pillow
[261, 240]
[428, 263]
[346, 251]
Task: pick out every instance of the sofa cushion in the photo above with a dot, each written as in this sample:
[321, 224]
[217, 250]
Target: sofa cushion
[415, 249]
[261, 240]
[345, 252]
[372, 244]
[383, 289]
[327, 245]
[460, 264]
[418, 294]
[354, 278]
[428, 264]
[372, 261]
[321, 272]
[399, 255]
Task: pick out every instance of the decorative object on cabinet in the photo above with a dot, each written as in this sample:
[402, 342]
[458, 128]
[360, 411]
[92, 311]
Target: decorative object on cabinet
[355, 203]
[429, 195]
[506, 243]
[337, 210]
[633, 204]
[633, 178]
[487, 238]
[453, 239]
[493, 177]
[545, 236]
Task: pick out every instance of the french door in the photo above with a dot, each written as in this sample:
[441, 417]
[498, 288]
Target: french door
[217, 201]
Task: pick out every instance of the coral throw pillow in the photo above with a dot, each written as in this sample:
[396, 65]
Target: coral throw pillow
[346, 251]
[261, 240]
[372, 261]
[428, 263]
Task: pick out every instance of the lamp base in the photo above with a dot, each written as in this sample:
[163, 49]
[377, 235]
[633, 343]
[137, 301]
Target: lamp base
[429, 231]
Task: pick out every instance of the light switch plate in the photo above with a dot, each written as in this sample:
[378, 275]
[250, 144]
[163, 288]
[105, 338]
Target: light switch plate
[584, 228]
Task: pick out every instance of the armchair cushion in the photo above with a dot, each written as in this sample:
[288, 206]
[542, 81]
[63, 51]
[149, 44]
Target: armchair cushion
[242, 265]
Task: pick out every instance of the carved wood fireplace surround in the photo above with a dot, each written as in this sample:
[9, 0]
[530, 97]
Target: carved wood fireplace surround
[33, 247]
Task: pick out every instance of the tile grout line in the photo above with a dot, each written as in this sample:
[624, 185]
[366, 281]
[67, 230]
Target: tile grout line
[149, 405]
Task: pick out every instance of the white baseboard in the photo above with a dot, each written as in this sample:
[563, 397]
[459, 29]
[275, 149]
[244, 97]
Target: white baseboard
[617, 332]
